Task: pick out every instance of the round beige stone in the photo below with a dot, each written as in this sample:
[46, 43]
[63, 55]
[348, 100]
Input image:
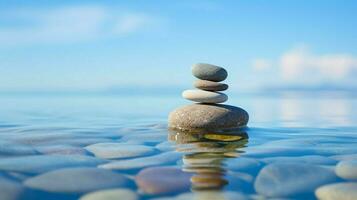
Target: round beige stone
[207, 117]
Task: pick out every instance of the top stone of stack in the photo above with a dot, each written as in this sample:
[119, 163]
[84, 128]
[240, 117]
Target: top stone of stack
[209, 72]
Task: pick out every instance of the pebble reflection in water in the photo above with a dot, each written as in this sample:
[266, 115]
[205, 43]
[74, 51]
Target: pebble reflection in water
[205, 153]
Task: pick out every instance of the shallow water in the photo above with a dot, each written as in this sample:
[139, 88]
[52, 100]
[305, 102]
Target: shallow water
[295, 142]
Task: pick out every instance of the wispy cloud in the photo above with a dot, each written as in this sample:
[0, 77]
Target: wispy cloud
[71, 24]
[300, 60]
[301, 65]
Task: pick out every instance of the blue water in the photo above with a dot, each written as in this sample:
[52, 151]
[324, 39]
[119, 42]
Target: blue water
[282, 126]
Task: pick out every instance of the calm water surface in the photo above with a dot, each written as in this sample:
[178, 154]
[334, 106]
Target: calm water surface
[65, 147]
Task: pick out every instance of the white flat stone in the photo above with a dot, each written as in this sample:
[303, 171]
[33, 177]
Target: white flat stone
[43, 163]
[118, 150]
[61, 150]
[292, 179]
[77, 180]
[337, 191]
[110, 194]
[163, 180]
[347, 169]
[202, 96]
[136, 163]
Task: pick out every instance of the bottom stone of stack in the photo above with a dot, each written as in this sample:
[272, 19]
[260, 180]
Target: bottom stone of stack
[207, 117]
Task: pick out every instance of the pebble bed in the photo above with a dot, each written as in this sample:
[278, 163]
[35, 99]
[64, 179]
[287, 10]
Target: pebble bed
[108, 153]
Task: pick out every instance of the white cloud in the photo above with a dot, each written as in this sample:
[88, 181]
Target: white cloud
[72, 24]
[300, 64]
[261, 64]
[132, 22]
[300, 61]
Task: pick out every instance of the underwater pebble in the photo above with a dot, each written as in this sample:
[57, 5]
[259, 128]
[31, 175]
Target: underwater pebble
[243, 164]
[18, 176]
[165, 146]
[337, 191]
[43, 163]
[347, 169]
[118, 150]
[163, 158]
[144, 138]
[15, 149]
[77, 180]
[163, 180]
[263, 151]
[36, 137]
[61, 150]
[311, 159]
[110, 194]
[11, 190]
[284, 180]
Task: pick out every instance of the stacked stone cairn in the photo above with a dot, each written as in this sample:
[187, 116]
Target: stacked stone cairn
[207, 114]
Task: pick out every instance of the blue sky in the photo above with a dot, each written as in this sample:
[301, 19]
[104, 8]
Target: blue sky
[71, 45]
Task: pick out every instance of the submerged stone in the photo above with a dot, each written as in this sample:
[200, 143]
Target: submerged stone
[8, 148]
[62, 150]
[43, 163]
[77, 180]
[337, 191]
[118, 150]
[347, 169]
[163, 180]
[207, 117]
[311, 159]
[11, 190]
[135, 163]
[291, 179]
